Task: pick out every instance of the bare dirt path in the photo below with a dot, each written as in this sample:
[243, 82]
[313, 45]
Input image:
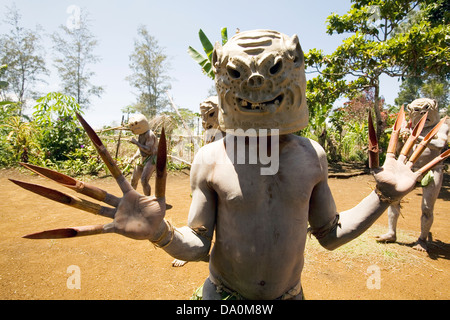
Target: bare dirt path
[114, 267]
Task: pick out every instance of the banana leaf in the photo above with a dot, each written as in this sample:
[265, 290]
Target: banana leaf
[204, 62]
[224, 34]
[207, 45]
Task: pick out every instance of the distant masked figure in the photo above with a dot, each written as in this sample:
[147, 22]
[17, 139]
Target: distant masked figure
[145, 156]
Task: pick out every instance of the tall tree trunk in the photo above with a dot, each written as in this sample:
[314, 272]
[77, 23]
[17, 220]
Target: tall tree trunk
[377, 108]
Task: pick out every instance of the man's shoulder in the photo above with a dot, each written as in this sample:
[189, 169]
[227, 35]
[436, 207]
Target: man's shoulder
[306, 145]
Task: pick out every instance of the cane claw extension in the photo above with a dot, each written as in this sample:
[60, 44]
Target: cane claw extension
[104, 154]
[374, 161]
[76, 185]
[124, 185]
[161, 161]
[414, 135]
[434, 162]
[66, 199]
[423, 144]
[67, 232]
[396, 131]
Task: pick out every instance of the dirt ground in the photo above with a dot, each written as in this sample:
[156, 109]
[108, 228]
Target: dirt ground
[114, 267]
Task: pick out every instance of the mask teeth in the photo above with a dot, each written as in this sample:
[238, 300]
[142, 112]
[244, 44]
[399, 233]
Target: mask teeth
[256, 106]
[260, 105]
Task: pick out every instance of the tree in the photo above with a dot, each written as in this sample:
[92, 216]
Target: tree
[183, 115]
[73, 48]
[7, 107]
[21, 51]
[149, 65]
[409, 90]
[59, 129]
[320, 95]
[434, 88]
[437, 89]
[3, 84]
[385, 40]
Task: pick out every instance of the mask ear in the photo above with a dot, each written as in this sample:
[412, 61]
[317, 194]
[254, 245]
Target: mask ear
[295, 50]
[216, 56]
[435, 104]
[409, 108]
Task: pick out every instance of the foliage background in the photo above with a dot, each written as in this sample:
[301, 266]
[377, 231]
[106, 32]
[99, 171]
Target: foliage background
[416, 48]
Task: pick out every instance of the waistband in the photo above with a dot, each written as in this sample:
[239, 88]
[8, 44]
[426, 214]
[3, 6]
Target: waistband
[292, 293]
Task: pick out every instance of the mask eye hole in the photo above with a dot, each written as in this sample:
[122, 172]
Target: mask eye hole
[276, 67]
[233, 73]
[211, 114]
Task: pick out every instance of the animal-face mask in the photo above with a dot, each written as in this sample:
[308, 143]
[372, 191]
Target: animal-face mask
[138, 124]
[260, 82]
[209, 111]
[419, 107]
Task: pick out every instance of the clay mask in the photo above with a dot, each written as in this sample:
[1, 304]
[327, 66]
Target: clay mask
[209, 111]
[138, 124]
[260, 82]
[419, 107]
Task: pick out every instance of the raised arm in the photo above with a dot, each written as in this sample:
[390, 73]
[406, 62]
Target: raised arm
[149, 146]
[393, 181]
[333, 229]
[134, 215]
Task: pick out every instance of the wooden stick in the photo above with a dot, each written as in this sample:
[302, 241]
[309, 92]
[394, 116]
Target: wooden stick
[179, 159]
[118, 141]
[115, 128]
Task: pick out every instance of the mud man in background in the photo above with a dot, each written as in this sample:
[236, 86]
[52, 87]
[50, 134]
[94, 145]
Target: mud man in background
[209, 110]
[145, 156]
[432, 182]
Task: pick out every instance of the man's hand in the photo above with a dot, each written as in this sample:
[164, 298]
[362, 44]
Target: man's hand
[138, 217]
[135, 216]
[395, 178]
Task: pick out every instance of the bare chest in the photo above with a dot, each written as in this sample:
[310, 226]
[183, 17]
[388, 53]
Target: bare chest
[243, 190]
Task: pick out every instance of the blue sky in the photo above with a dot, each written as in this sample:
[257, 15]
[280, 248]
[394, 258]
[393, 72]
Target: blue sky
[175, 24]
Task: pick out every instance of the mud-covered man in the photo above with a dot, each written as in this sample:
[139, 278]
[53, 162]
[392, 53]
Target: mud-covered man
[432, 182]
[145, 156]
[260, 188]
[261, 220]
